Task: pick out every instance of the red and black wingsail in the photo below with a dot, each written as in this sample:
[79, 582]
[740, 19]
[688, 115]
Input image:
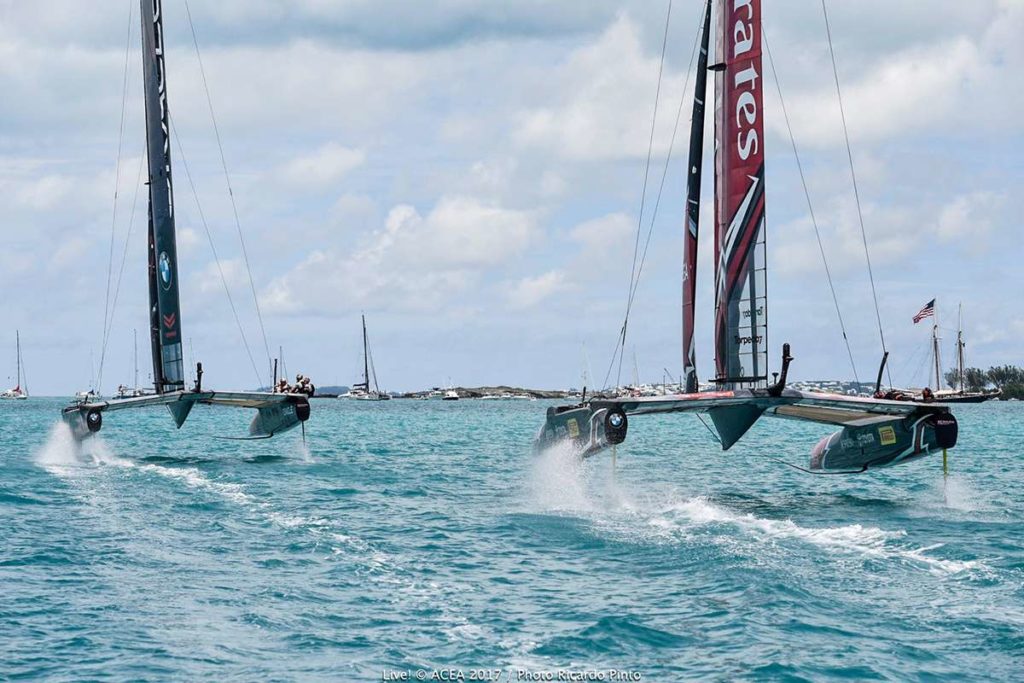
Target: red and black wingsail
[694, 165]
[740, 302]
[164, 313]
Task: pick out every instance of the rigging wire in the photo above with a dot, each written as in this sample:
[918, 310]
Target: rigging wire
[213, 248]
[231, 193]
[643, 192]
[810, 207]
[638, 270]
[853, 176]
[124, 258]
[107, 313]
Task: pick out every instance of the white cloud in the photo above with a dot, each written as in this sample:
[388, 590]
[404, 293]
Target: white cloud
[895, 232]
[210, 280]
[412, 262]
[962, 78]
[530, 291]
[969, 216]
[322, 168]
[600, 101]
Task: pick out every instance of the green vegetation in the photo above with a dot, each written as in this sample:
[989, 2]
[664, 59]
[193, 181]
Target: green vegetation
[1008, 378]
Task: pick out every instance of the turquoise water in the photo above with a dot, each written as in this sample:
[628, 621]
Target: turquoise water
[415, 534]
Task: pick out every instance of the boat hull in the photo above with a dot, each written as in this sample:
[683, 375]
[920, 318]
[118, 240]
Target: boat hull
[874, 433]
[968, 398]
[884, 444]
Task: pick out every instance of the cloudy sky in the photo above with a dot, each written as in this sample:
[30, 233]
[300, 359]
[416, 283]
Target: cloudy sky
[469, 174]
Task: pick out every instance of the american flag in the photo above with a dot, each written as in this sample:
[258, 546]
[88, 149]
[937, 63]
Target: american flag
[927, 312]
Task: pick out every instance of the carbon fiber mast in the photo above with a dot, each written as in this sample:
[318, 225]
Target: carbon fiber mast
[164, 315]
[741, 305]
[275, 412]
[695, 164]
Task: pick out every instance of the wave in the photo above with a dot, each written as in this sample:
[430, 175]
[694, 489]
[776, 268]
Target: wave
[865, 541]
[561, 482]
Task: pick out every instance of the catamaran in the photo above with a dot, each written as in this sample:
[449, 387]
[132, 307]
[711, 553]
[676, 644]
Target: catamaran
[873, 432]
[361, 391]
[18, 393]
[275, 413]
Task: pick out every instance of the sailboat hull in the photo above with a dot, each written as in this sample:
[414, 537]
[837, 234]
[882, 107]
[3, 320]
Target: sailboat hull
[875, 433]
[884, 444]
[967, 398]
[275, 413]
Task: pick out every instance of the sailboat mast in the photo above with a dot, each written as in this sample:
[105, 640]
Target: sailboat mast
[17, 343]
[165, 316]
[695, 164]
[935, 351]
[135, 342]
[366, 357]
[960, 347]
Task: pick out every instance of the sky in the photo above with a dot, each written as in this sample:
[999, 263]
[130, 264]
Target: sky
[468, 174]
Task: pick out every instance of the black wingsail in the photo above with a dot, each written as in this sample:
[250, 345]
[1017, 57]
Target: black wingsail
[275, 412]
[696, 161]
[164, 310]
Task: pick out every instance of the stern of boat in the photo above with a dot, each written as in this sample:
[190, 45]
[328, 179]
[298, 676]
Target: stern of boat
[586, 429]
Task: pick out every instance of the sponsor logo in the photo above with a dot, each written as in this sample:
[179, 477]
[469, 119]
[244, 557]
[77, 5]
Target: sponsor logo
[745, 80]
[164, 266]
[169, 320]
[887, 435]
[574, 427]
[759, 311]
[748, 339]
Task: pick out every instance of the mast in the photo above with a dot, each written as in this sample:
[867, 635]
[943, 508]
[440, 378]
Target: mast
[935, 351]
[695, 164]
[135, 341]
[741, 315]
[17, 346]
[165, 316]
[960, 346]
[366, 357]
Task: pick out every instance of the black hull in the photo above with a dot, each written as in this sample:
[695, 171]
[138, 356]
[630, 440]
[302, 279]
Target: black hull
[968, 398]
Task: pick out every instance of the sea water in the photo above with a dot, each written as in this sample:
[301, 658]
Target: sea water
[419, 535]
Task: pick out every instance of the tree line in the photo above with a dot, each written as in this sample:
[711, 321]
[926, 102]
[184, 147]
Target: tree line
[1007, 378]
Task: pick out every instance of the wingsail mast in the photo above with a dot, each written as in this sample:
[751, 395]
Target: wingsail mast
[741, 320]
[164, 312]
[695, 164]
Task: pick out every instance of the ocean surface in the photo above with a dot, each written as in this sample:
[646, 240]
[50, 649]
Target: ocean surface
[423, 535]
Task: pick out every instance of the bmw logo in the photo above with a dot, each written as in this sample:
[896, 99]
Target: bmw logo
[165, 269]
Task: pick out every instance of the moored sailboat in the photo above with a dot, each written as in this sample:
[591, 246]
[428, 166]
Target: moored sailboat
[275, 413]
[18, 392]
[958, 393]
[873, 432]
[362, 391]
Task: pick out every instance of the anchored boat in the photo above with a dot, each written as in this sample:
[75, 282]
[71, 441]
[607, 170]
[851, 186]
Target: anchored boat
[275, 413]
[361, 391]
[18, 393]
[873, 432]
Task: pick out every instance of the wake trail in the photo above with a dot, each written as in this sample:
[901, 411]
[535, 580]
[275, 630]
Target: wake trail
[559, 481]
[62, 456]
